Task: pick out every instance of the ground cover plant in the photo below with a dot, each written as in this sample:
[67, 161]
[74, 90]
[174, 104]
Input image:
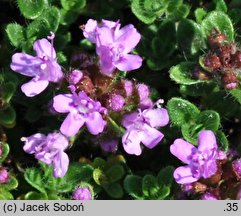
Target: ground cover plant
[131, 99]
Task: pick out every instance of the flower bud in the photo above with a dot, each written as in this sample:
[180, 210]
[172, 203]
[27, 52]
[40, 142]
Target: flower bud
[236, 165]
[82, 193]
[75, 76]
[216, 39]
[4, 176]
[229, 80]
[128, 86]
[236, 58]
[109, 145]
[209, 196]
[115, 102]
[212, 61]
[224, 53]
[199, 74]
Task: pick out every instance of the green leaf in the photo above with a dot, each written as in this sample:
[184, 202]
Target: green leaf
[190, 37]
[34, 177]
[5, 151]
[200, 13]
[15, 33]
[100, 177]
[222, 141]
[149, 186]
[73, 4]
[190, 132]
[114, 190]
[220, 21]
[181, 73]
[163, 193]
[7, 116]
[199, 89]
[221, 6]
[33, 195]
[163, 45]
[182, 111]
[133, 186]
[147, 11]
[165, 176]
[8, 91]
[78, 172]
[12, 184]
[44, 24]
[99, 163]
[236, 93]
[31, 9]
[209, 119]
[5, 195]
[180, 12]
[115, 173]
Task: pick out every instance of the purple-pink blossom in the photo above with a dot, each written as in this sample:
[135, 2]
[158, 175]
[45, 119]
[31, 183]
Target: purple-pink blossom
[81, 110]
[50, 150]
[113, 45]
[209, 196]
[82, 193]
[201, 161]
[43, 67]
[144, 93]
[141, 128]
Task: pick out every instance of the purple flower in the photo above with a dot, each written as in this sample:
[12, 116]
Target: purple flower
[201, 161]
[82, 193]
[141, 128]
[208, 196]
[50, 150]
[144, 92]
[109, 145]
[81, 109]
[113, 45]
[4, 176]
[43, 67]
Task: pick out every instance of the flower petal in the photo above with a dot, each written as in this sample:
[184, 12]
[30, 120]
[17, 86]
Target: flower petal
[89, 31]
[129, 119]
[95, 123]
[156, 117]
[131, 142]
[207, 141]
[71, 124]
[104, 36]
[61, 164]
[34, 87]
[106, 64]
[182, 150]
[210, 168]
[25, 64]
[63, 103]
[128, 62]
[57, 141]
[128, 37]
[150, 136]
[33, 142]
[43, 48]
[54, 72]
[183, 175]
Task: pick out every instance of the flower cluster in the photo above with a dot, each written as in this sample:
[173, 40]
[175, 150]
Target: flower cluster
[93, 94]
[222, 63]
